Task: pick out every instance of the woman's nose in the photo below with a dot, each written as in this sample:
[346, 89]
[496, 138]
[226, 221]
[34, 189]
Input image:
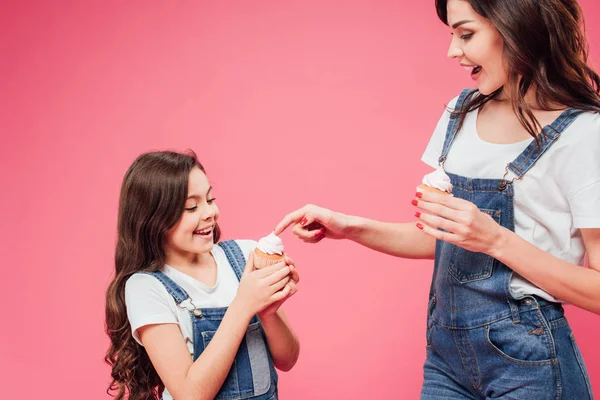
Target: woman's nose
[454, 50]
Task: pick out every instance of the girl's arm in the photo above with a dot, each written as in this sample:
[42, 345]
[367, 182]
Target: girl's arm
[283, 342]
[397, 239]
[202, 379]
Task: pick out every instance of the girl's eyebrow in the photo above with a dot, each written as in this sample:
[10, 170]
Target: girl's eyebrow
[199, 196]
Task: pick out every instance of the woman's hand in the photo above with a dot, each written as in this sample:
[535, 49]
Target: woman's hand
[462, 222]
[293, 288]
[260, 288]
[312, 223]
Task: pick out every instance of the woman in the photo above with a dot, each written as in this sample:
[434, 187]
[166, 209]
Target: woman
[510, 241]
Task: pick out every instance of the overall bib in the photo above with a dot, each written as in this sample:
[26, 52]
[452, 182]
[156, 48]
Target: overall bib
[252, 374]
[481, 342]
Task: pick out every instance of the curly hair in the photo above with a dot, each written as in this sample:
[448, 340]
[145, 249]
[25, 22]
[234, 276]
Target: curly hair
[151, 202]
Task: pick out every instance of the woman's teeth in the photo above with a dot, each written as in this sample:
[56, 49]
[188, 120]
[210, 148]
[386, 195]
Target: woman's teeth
[473, 69]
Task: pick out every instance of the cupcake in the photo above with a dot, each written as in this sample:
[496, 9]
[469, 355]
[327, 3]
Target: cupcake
[269, 251]
[437, 182]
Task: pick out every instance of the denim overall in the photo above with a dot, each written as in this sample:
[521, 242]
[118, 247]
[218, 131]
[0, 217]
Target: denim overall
[252, 374]
[481, 342]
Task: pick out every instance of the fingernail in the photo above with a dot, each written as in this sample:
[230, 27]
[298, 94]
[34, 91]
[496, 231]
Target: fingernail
[417, 214]
[420, 226]
[304, 221]
[414, 202]
[320, 235]
[419, 195]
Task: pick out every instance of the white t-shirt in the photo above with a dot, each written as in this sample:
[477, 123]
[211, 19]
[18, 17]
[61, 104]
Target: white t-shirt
[148, 302]
[557, 197]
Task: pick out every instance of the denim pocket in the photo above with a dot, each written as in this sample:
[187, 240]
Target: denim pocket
[526, 343]
[581, 365]
[250, 373]
[467, 266]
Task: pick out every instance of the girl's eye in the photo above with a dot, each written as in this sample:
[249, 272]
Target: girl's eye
[210, 201]
[466, 36]
[193, 208]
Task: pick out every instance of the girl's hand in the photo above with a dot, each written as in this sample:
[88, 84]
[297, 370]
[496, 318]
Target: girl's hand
[293, 288]
[312, 223]
[259, 288]
[462, 222]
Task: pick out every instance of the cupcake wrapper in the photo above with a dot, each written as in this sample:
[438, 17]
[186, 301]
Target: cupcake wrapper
[260, 262]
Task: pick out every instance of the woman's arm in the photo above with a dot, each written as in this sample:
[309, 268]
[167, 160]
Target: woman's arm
[465, 226]
[563, 280]
[397, 239]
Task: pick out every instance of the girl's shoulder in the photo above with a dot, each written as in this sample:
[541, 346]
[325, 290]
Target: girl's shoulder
[246, 245]
[144, 284]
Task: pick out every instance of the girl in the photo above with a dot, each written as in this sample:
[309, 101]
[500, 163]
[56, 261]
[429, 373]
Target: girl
[521, 154]
[210, 325]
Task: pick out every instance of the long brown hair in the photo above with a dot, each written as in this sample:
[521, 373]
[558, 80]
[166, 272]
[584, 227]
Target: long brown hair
[545, 49]
[152, 199]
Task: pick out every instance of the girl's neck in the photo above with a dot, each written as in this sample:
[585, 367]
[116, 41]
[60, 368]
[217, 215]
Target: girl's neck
[187, 261]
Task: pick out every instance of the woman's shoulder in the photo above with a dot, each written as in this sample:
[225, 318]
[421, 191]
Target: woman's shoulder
[585, 129]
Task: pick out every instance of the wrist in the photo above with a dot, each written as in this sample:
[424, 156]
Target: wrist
[266, 317]
[240, 310]
[354, 227]
[499, 246]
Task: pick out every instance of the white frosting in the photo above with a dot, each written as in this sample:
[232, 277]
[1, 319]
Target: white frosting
[271, 244]
[438, 180]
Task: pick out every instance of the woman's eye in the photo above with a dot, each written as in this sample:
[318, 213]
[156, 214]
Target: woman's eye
[193, 208]
[210, 201]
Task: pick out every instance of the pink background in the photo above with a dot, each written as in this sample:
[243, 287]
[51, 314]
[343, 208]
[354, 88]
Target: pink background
[330, 102]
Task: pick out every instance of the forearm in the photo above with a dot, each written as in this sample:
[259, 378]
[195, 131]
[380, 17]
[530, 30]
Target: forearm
[569, 282]
[396, 239]
[283, 342]
[207, 374]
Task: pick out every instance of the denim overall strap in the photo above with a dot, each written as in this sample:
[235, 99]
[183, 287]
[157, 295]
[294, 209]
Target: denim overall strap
[453, 123]
[549, 136]
[252, 374]
[178, 293]
[235, 256]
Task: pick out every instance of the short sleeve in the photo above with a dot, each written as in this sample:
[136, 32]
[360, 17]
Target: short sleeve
[578, 173]
[148, 302]
[433, 151]
[247, 246]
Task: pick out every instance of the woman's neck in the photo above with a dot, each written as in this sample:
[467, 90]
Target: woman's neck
[531, 99]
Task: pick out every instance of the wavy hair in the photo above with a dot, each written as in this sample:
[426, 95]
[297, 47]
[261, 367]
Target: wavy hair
[545, 49]
[152, 200]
